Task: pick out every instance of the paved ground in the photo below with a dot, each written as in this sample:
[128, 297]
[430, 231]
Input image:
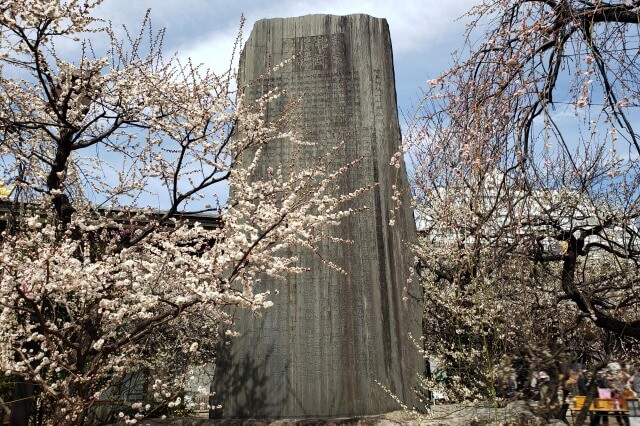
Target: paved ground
[515, 413]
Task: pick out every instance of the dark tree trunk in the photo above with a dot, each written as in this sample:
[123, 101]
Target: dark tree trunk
[22, 407]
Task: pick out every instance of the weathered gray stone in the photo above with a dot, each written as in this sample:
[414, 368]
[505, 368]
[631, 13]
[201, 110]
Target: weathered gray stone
[329, 338]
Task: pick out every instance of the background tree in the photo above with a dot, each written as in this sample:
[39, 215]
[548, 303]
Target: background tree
[93, 284]
[526, 176]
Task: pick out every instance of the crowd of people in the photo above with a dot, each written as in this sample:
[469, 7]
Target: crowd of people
[613, 383]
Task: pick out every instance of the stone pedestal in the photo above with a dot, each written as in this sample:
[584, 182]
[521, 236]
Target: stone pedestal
[329, 338]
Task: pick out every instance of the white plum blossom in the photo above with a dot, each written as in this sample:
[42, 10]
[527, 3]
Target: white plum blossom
[92, 290]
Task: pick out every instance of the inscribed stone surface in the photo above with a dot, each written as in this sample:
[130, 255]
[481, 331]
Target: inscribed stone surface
[330, 337]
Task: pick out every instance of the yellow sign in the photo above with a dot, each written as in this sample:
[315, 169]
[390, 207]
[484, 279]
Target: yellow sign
[5, 191]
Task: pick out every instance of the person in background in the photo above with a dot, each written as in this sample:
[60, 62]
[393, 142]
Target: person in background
[571, 385]
[621, 418]
[603, 385]
[543, 384]
[582, 383]
[635, 381]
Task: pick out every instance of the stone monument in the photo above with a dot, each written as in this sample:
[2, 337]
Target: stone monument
[331, 338]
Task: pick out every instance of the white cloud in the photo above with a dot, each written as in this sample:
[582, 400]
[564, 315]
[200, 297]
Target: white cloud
[416, 26]
[215, 51]
[423, 32]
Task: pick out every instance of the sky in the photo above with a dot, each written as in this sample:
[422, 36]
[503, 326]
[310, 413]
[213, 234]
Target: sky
[423, 32]
[423, 35]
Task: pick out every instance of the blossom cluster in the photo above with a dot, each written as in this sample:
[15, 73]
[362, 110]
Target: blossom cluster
[96, 285]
